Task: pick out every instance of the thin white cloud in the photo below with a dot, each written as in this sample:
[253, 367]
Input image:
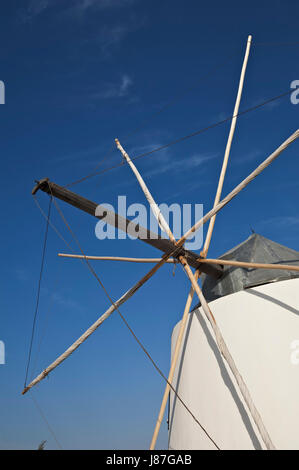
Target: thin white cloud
[78, 7]
[115, 90]
[169, 164]
[111, 36]
[126, 82]
[281, 221]
[141, 149]
[267, 107]
[33, 9]
[184, 164]
[22, 274]
[66, 302]
[189, 188]
[246, 157]
[102, 4]
[83, 156]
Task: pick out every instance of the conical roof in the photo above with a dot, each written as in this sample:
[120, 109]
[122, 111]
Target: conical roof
[256, 249]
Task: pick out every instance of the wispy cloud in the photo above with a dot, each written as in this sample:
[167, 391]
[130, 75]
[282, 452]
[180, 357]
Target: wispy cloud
[115, 90]
[168, 164]
[180, 165]
[111, 36]
[141, 149]
[189, 188]
[247, 157]
[84, 5]
[33, 9]
[22, 274]
[88, 156]
[76, 8]
[267, 107]
[66, 302]
[111, 28]
[281, 221]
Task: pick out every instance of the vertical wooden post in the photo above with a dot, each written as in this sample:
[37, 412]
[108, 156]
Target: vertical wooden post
[227, 150]
[173, 364]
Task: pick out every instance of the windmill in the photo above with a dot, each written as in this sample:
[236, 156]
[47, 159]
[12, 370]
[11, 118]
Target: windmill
[175, 252]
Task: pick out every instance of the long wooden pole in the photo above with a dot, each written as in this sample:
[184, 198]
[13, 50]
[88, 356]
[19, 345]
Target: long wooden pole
[228, 147]
[173, 364]
[94, 326]
[156, 211]
[122, 223]
[239, 188]
[117, 258]
[244, 264]
[219, 339]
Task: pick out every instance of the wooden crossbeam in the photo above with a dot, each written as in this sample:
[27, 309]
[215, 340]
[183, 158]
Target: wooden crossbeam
[117, 258]
[124, 224]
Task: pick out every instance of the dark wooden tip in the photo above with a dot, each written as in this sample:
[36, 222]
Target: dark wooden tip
[39, 184]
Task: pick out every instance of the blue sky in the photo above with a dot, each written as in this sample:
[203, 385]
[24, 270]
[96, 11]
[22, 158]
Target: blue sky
[78, 74]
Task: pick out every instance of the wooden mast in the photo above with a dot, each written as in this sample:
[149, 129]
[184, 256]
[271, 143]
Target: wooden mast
[227, 149]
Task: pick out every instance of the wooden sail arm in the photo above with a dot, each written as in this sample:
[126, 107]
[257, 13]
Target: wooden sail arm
[125, 225]
[249, 265]
[118, 258]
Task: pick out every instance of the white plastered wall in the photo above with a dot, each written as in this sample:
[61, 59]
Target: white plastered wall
[260, 326]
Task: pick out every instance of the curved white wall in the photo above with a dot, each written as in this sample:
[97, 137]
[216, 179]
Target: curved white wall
[259, 326]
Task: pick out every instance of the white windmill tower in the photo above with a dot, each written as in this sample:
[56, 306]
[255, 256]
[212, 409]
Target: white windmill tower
[257, 311]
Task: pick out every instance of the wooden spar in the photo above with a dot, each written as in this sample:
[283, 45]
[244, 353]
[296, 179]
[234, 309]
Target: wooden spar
[156, 211]
[173, 363]
[227, 150]
[123, 224]
[153, 205]
[117, 258]
[227, 356]
[95, 325]
[219, 339]
[244, 264]
[239, 188]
